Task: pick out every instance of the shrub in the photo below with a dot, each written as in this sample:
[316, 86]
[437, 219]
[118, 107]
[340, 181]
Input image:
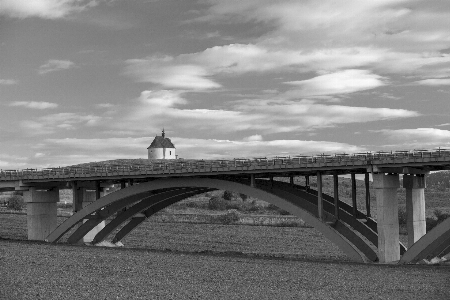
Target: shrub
[243, 196]
[402, 216]
[16, 202]
[230, 217]
[65, 205]
[237, 205]
[272, 207]
[217, 203]
[277, 209]
[228, 195]
[440, 217]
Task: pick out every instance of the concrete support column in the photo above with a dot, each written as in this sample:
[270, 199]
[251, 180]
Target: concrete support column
[319, 195]
[336, 195]
[252, 180]
[90, 196]
[387, 216]
[415, 207]
[41, 212]
[355, 208]
[367, 186]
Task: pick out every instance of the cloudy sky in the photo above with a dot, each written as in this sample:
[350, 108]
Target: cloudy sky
[91, 80]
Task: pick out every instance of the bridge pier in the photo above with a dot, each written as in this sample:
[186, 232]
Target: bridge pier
[415, 207]
[387, 216]
[83, 197]
[41, 212]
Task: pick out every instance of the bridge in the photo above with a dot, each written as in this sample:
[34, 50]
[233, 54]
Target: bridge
[149, 186]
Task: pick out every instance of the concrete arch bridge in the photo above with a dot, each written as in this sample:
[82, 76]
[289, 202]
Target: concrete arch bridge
[148, 188]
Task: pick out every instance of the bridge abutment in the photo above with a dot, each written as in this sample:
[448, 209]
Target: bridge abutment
[415, 207]
[387, 216]
[41, 212]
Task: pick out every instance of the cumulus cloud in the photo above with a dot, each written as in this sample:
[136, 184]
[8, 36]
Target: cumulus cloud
[343, 82]
[34, 104]
[47, 9]
[55, 65]
[168, 73]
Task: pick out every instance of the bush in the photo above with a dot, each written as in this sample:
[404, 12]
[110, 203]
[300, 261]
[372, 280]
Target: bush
[15, 202]
[440, 217]
[243, 196]
[228, 195]
[272, 207]
[277, 209]
[217, 203]
[402, 216]
[65, 205]
[230, 217]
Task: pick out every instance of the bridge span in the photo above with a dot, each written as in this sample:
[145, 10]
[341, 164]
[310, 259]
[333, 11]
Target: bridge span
[149, 186]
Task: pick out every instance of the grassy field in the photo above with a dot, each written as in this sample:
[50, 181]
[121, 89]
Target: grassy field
[163, 260]
[204, 261]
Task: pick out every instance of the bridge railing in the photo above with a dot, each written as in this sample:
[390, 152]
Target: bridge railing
[182, 165]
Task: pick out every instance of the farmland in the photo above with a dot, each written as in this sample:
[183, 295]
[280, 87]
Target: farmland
[198, 261]
[166, 258]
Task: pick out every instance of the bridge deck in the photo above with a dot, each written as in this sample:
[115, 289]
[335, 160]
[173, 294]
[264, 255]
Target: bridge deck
[394, 162]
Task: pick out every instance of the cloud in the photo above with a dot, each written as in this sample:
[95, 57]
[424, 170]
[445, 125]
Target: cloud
[55, 65]
[47, 9]
[342, 82]
[34, 104]
[8, 81]
[157, 109]
[12, 161]
[168, 73]
[61, 121]
[396, 35]
[253, 138]
[418, 137]
[434, 82]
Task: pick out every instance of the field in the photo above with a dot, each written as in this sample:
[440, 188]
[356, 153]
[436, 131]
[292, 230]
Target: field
[166, 259]
[198, 261]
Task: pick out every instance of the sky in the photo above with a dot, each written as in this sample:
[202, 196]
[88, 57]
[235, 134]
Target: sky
[94, 80]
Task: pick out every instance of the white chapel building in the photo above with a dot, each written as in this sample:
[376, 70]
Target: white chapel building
[161, 148]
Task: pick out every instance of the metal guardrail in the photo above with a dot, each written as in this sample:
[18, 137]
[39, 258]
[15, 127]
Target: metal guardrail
[187, 166]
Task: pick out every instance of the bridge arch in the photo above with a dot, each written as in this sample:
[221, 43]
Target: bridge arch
[136, 193]
[435, 243]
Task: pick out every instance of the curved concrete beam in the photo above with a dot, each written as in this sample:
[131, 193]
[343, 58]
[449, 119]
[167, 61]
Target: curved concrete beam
[345, 231]
[143, 206]
[136, 221]
[432, 244]
[91, 223]
[345, 245]
[104, 207]
[367, 229]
